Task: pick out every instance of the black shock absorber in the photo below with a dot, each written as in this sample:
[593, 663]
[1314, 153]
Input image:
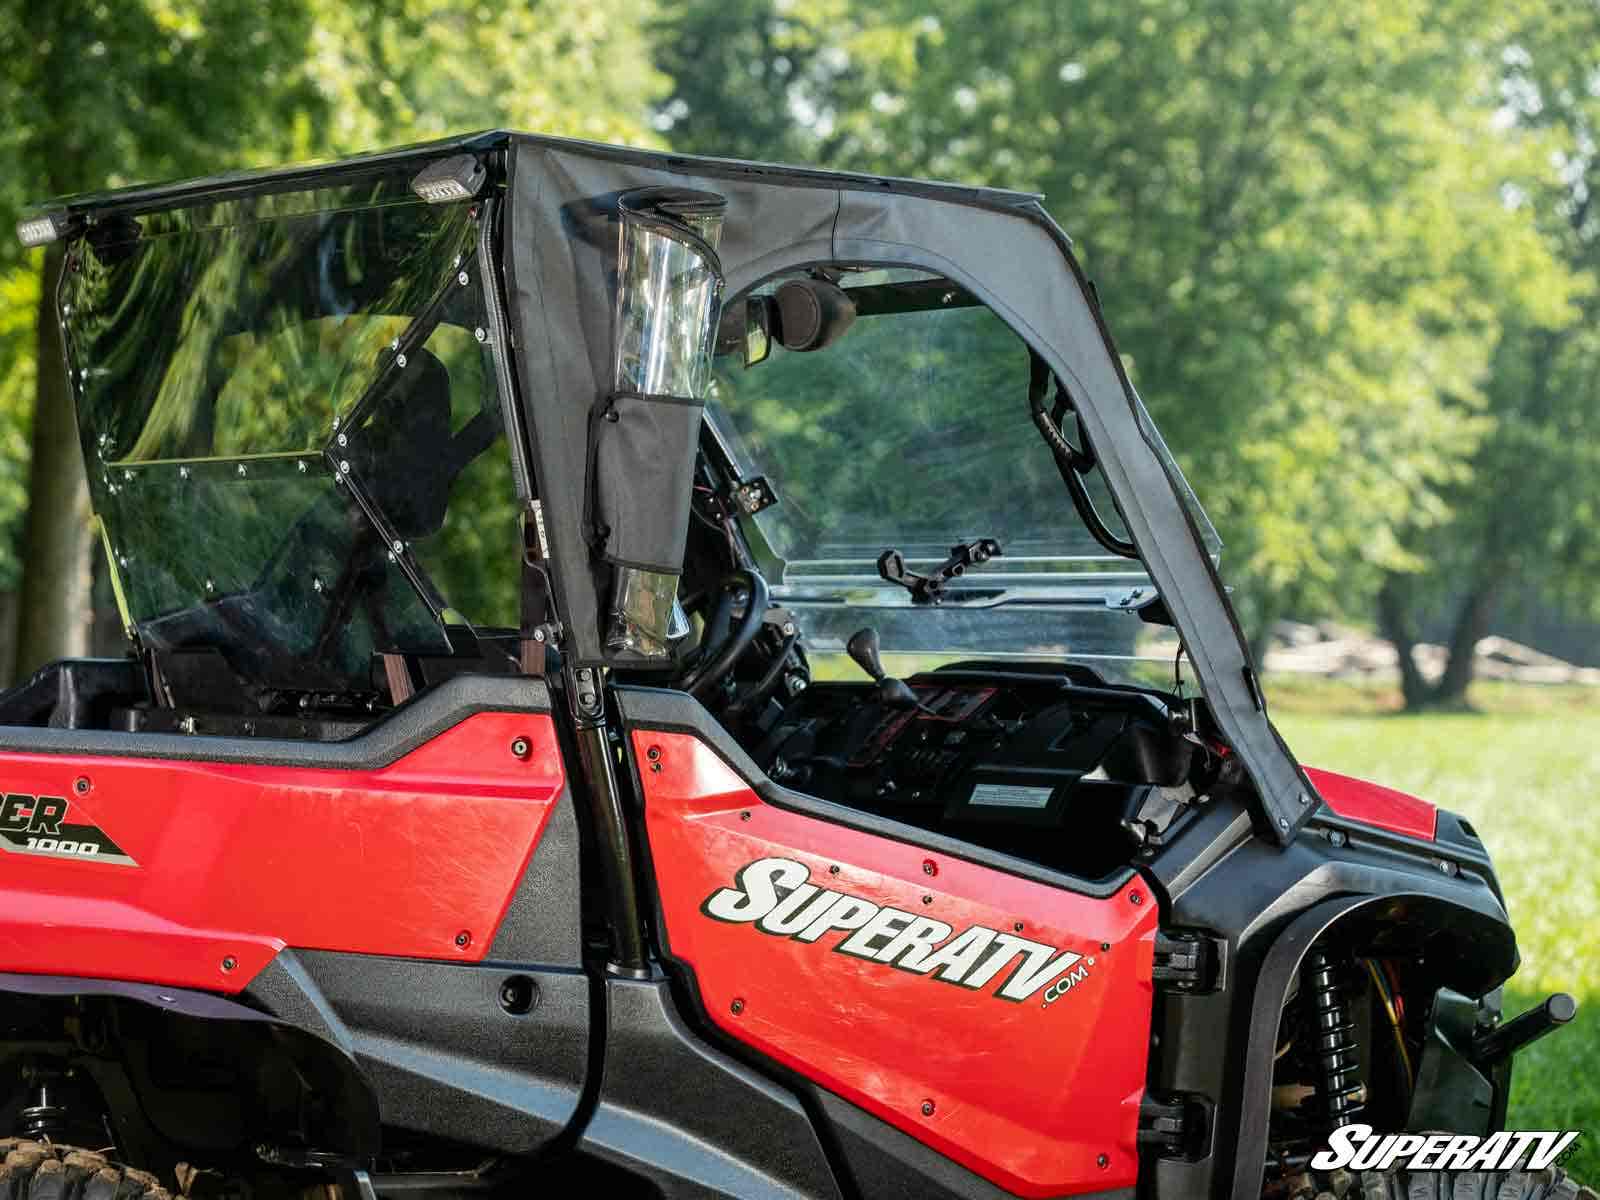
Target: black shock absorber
[1340, 1088]
[46, 1117]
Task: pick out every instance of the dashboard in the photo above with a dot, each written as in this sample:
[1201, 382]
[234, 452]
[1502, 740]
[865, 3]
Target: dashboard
[1006, 759]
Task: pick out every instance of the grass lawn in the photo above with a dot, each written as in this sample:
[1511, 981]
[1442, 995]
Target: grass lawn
[1524, 771]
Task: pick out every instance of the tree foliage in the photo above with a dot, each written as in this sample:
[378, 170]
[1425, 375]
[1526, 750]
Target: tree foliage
[1295, 214]
[1349, 251]
[1522, 516]
[100, 94]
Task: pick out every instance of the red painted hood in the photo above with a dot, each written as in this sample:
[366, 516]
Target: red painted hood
[1374, 804]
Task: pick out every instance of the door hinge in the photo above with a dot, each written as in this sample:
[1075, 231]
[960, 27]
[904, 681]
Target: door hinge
[1186, 962]
[1173, 1125]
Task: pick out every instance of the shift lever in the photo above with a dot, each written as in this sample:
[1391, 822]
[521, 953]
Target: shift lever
[863, 649]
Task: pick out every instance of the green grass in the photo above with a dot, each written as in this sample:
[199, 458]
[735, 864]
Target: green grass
[1525, 774]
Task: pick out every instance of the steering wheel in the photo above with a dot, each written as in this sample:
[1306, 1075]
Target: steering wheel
[716, 660]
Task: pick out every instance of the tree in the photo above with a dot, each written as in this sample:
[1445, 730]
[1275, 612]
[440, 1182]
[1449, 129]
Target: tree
[1523, 522]
[108, 93]
[148, 89]
[1292, 212]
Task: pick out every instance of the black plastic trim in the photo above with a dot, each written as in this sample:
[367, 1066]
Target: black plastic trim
[390, 739]
[542, 923]
[677, 712]
[692, 1120]
[443, 1055]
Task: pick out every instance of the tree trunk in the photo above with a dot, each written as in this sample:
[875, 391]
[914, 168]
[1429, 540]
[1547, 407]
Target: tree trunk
[1472, 624]
[54, 599]
[1395, 624]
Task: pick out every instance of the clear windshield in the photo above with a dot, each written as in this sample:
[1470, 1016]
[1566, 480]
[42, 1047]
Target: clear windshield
[912, 433]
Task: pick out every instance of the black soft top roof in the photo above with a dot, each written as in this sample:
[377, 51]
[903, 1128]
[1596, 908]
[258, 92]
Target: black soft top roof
[153, 197]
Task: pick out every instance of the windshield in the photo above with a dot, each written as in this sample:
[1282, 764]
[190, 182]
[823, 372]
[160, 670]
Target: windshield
[912, 433]
[293, 432]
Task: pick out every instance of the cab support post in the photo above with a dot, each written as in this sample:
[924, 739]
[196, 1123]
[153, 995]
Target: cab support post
[586, 699]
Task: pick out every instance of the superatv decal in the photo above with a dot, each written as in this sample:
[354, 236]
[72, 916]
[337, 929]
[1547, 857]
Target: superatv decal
[40, 825]
[776, 896]
[1360, 1148]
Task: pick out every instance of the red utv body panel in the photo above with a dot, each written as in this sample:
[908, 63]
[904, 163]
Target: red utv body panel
[231, 863]
[1374, 804]
[1039, 1096]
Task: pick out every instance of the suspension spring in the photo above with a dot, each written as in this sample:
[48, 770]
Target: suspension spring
[46, 1117]
[1340, 1088]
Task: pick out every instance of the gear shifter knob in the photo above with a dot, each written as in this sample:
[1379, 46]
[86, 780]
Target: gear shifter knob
[863, 649]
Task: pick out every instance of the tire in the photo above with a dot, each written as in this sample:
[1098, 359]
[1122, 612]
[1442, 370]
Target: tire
[1552, 1184]
[44, 1171]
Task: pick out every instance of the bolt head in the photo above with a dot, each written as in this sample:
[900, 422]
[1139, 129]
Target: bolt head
[1103, 1161]
[521, 747]
[463, 940]
[737, 1006]
[480, 333]
[463, 279]
[745, 815]
[1135, 897]
[229, 962]
[929, 867]
[81, 785]
[243, 470]
[342, 440]
[400, 361]
[927, 1108]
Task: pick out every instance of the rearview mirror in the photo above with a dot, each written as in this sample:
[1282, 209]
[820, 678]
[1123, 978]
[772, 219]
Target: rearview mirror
[745, 328]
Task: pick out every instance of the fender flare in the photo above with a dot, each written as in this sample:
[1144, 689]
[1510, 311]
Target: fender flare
[352, 1126]
[1485, 954]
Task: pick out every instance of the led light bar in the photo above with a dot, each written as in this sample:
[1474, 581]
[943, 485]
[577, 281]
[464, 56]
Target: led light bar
[450, 180]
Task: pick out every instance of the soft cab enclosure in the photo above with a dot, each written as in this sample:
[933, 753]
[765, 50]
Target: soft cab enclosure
[409, 470]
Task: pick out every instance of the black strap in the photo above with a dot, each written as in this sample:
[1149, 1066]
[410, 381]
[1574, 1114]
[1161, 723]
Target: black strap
[537, 626]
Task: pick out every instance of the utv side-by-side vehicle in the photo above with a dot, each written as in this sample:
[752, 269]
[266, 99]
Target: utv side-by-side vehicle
[686, 678]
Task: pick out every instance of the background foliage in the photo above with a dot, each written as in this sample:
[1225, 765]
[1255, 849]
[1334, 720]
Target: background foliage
[1349, 251]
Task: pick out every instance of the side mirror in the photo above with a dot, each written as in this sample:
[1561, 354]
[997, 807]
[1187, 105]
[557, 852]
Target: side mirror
[745, 328]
